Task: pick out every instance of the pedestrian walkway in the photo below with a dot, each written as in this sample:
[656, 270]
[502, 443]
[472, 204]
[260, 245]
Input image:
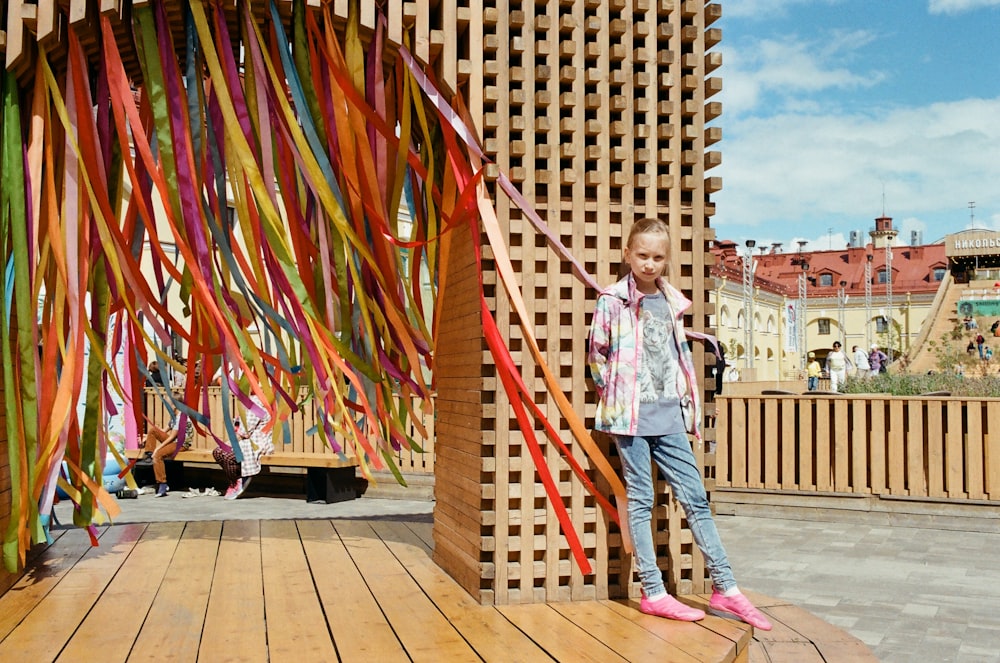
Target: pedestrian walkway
[910, 594]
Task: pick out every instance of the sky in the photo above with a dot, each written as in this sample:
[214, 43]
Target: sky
[837, 111]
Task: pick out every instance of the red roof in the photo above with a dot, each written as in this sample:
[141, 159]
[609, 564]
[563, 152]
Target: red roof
[912, 268]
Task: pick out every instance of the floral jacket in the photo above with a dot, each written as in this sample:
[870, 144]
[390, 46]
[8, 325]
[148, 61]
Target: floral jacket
[615, 355]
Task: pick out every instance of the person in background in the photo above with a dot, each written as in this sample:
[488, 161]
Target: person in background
[876, 360]
[160, 444]
[254, 442]
[980, 341]
[180, 376]
[155, 378]
[836, 366]
[813, 372]
[861, 365]
[648, 394]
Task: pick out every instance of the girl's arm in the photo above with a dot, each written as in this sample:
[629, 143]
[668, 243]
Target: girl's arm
[599, 342]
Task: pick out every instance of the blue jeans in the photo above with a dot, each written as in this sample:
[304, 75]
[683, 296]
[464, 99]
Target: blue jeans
[813, 383]
[675, 459]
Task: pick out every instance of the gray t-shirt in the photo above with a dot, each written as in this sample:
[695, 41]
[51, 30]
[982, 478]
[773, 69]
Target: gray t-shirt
[659, 371]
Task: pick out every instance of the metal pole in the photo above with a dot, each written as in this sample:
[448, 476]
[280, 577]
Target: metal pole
[748, 303]
[841, 303]
[868, 301]
[803, 307]
[888, 298]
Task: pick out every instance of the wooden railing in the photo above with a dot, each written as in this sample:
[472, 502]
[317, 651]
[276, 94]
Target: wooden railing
[924, 447]
[300, 440]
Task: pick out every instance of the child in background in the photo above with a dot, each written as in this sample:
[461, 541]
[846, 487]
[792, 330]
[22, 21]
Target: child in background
[649, 407]
[813, 372]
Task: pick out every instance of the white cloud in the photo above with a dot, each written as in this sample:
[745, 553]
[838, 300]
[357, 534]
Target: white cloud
[928, 160]
[783, 71]
[959, 6]
[766, 9]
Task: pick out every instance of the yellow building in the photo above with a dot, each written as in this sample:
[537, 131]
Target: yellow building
[877, 293]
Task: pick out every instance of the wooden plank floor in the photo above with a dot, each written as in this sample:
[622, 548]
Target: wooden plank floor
[340, 590]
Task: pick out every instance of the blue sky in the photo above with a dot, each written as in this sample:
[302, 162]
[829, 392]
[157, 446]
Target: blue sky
[829, 105]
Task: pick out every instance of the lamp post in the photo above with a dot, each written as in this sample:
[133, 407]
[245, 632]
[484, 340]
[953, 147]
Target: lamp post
[868, 301]
[748, 271]
[803, 293]
[841, 304]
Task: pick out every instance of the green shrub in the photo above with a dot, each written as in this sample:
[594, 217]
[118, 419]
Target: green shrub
[905, 384]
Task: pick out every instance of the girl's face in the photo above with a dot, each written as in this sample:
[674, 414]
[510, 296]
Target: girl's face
[647, 258]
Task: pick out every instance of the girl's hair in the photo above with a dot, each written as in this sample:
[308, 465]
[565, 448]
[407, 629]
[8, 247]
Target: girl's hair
[647, 226]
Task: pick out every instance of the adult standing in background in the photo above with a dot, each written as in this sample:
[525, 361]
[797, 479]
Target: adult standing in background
[836, 366]
[861, 365]
[876, 360]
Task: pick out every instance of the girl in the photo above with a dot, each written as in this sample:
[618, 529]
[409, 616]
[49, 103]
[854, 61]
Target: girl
[648, 401]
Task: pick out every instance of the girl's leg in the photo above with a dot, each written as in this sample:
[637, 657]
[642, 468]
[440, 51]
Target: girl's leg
[675, 459]
[637, 470]
[165, 449]
[227, 461]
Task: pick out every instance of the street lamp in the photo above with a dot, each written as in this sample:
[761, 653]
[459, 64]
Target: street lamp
[748, 271]
[841, 303]
[802, 311]
[868, 301]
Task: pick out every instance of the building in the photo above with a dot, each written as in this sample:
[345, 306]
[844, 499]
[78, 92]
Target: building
[880, 292]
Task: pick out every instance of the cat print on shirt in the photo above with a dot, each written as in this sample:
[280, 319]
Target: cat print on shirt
[659, 366]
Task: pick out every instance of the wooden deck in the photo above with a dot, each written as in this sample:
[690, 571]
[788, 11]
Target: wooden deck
[347, 590]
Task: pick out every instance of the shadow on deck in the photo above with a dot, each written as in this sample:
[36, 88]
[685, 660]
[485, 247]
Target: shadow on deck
[347, 590]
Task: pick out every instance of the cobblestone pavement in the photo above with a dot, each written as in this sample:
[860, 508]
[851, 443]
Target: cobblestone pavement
[912, 595]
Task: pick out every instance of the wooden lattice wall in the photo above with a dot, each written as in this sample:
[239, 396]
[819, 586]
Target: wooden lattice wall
[599, 111]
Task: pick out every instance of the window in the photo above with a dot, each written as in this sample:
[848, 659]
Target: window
[826, 279]
[938, 274]
[823, 324]
[883, 276]
[881, 325]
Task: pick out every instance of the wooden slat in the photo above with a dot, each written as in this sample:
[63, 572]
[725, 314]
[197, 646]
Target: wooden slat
[934, 426]
[991, 450]
[42, 635]
[755, 478]
[877, 441]
[770, 440]
[974, 451]
[490, 634]
[859, 448]
[560, 637]
[955, 451]
[841, 457]
[175, 620]
[896, 456]
[355, 620]
[916, 470]
[788, 441]
[738, 440]
[724, 443]
[47, 570]
[234, 620]
[296, 625]
[135, 585]
[823, 432]
[425, 633]
[805, 438]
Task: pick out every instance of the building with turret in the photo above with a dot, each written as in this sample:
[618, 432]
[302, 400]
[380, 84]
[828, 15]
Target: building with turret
[773, 306]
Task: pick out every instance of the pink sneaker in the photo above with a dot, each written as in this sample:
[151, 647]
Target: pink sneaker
[234, 490]
[741, 607]
[670, 608]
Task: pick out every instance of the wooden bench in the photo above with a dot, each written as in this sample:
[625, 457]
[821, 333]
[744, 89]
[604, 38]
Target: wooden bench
[330, 477]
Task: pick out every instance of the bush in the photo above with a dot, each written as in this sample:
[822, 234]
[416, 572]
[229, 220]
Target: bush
[905, 384]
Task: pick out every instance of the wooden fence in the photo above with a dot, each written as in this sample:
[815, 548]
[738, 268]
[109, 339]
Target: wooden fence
[300, 423]
[923, 447]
